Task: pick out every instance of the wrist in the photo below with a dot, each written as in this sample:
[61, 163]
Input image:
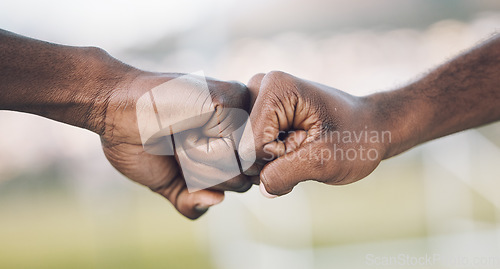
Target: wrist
[401, 114]
[107, 77]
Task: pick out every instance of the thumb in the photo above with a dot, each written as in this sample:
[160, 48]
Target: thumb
[192, 205]
[281, 175]
[267, 118]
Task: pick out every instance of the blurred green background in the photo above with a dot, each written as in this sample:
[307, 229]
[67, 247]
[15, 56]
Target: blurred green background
[63, 206]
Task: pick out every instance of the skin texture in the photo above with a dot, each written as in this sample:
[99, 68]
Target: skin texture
[86, 87]
[302, 114]
[293, 120]
[123, 148]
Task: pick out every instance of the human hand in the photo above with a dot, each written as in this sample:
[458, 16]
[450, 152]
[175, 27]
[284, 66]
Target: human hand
[124, 149]
[307, 131]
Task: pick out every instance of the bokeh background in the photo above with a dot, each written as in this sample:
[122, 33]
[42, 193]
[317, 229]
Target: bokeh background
[63, 206]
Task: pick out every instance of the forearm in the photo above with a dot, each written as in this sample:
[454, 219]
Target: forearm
[67, 84]
[461, 94]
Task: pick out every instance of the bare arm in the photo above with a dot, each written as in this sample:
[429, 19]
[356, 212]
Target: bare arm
[67, 84]
[323, 123]
[460, 94]
[88, 88]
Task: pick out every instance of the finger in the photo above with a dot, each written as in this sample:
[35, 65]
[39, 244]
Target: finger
[209, 163]
[265, 193]
[162, 175]
[294, 140]
[225, 121]
[231, 94]
[199, 148]
[158, 114]
[279, 147]
[253, 87]
[230, 119]
[231, 101]
[240, 183]
[272, 113]
[254, 169]
[191, 205]
[189, 102]
[281, 175]
[255, 180]
[200, 175]
[246, 147]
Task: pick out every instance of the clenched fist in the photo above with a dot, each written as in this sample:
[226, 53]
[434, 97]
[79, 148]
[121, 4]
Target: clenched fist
[201, 122]
[307, 131]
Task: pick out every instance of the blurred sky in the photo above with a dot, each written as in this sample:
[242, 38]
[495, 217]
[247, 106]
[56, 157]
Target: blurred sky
[57, 190]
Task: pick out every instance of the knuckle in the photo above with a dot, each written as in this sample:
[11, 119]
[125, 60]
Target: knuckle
[256, 78]
[277, 75]
[96, 51]
[238, 88]
[280, 84]
[230, 94]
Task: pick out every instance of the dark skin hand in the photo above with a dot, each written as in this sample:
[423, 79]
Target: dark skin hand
[302, 128]
[86, 87]
[123, 148]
